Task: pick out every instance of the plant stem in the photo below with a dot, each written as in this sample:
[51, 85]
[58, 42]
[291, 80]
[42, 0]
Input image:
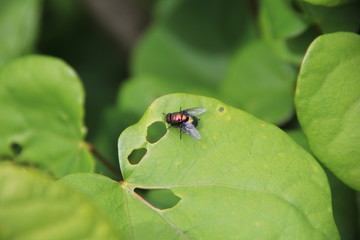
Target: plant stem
[103, 160]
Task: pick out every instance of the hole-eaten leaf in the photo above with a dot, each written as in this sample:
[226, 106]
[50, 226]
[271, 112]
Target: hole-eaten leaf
[136, 155]
[159, 198]
[155, 132]
[16, 149]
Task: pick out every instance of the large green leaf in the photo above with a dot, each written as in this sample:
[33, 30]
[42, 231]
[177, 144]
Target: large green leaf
[18, 27]
[32, 207]
[261, 83]
[244, 179]
[327, 103]
[41, 115]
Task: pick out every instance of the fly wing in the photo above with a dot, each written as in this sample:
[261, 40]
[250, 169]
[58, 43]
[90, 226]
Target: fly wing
[190, 129]
[195, 111]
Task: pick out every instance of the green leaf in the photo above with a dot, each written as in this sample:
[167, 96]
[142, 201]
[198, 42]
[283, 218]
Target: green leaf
[335, 19]
[327, 103]
[329, 3]
[32, 207]
[280, 20]
[261, 83]
[138, 92]
[135, 95]
[285, 31]
[343, 197]
[244, 179]
[41, 115]
[134, 218]
[18, 27]
[220, 28]
[162, 55]
[183, 48]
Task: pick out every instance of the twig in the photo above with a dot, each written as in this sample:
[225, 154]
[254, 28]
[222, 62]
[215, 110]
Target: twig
[103, 160]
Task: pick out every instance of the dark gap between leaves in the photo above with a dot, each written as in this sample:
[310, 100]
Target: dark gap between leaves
[300, 44]
[16, 148]
[159, 198]
[296, 6]
[155, 132]
[136, 155]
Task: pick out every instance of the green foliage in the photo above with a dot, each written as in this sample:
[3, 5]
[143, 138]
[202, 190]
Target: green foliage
[273, 14]
[244, 179]
[175, 43]
[33, 207]
[18, 27]
[42, 113]
[335, 19]
[254, 91]
[345, 214]
[327, 101]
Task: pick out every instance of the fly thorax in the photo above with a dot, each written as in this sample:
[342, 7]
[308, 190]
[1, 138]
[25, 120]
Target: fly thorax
[178, 118]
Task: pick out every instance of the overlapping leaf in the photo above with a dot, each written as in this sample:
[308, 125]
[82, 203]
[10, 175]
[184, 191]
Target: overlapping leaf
[41, 115]
[32, 207]
[327, 103]
[182, 48]
[18, 27]
[261, 83]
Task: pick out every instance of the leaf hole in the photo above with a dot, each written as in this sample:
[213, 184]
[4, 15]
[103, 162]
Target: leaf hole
[136, 155]
[221, 109]
[159, 198]
[16, 149]
[155, 132]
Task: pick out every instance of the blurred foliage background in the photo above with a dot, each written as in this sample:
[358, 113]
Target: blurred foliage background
[127, 53]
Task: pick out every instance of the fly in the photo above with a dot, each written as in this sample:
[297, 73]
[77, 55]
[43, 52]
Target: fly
[186, 120]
